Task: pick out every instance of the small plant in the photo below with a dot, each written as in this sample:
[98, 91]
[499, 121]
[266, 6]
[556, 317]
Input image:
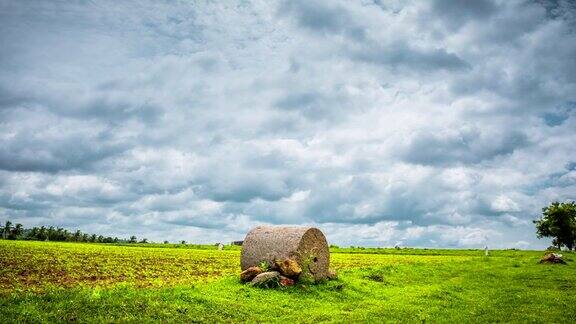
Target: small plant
[306, 277]
[338, 286]
[376, 276]
[264, 266]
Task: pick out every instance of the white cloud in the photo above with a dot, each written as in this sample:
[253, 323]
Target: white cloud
[426, 123]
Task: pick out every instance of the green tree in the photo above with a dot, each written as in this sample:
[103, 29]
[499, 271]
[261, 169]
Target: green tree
[132, 239]
[42, 234]
[77, 236]
[33, 234]
[559, 222]
[16, 232]
[7, 229]
[51, 233]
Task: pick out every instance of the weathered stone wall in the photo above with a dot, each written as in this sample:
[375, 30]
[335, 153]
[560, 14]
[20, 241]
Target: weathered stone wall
[306, 245]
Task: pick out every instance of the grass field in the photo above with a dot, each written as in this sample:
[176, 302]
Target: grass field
[55, 282]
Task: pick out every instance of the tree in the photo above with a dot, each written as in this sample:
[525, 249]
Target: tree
[16, 232]
[7, 229]
[77, 236]
[51, 234]
[33, 234]
[559, 222]
[42, 234]
[132, 239]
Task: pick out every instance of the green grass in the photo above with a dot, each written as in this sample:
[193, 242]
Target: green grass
[381, 285]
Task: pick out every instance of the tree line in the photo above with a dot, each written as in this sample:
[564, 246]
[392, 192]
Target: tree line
[58, 234]
[558, 221]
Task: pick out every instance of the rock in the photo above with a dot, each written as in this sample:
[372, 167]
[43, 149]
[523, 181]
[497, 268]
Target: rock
[266, 279]
[250, 273]
[332, 275]
[288, 267]
[285, 282]
[552, 258]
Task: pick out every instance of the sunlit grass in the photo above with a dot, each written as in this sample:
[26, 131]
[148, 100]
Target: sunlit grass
[159, 284]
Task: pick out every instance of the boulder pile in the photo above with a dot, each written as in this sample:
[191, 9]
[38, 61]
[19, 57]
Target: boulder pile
[282, 273]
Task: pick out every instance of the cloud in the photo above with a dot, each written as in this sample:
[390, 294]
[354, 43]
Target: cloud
[456, 13]
[399, 55]
[467, 145]
[324, 17]
[43, 142]
[442, 124]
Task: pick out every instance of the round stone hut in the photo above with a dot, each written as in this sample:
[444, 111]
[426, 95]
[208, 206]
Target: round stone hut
[305, 245]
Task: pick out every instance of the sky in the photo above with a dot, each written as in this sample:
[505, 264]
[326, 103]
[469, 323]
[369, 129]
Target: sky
[412, 123]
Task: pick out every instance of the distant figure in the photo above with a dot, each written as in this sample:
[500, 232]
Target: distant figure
[486, 250]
